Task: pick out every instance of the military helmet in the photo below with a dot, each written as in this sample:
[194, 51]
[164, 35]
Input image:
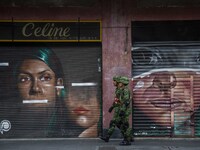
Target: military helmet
[116, 78]
[124, 80]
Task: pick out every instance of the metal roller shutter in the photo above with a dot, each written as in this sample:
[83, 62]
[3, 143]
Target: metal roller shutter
[40, 98]
[166, 89]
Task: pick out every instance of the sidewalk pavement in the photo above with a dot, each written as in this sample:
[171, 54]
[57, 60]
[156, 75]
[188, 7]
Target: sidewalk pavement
[97, 144]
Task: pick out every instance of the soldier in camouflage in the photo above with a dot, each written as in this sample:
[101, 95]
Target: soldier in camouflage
[122, 111]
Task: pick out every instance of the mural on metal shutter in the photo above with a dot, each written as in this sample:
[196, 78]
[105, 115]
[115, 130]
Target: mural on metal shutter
[49, 92]
[166, 90]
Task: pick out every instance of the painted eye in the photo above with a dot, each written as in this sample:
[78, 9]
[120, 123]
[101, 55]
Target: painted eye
[24, 79]
[45, 78]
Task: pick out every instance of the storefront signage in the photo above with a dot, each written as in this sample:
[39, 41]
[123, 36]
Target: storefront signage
[162, 31]
[50, 31]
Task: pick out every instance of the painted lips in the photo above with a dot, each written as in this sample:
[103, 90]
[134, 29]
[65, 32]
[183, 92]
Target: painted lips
[170, 104]
[80, 110]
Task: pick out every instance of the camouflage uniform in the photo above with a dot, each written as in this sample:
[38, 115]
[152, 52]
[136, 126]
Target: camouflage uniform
[122, 111]
[125, 111]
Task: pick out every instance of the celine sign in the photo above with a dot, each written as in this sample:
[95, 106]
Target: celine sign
[50, 31]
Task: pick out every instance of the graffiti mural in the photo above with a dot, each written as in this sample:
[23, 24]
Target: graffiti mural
[46, 92]
[166, 90]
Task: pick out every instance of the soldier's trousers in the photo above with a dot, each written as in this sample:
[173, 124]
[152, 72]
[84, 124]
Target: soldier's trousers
[123, 125]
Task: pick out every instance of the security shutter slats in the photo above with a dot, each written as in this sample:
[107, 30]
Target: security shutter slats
[78, 110]
[166, 76]
[196, 114]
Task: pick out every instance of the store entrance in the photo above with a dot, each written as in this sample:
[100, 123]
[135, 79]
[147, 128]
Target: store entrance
[166, 78]
[50, 90]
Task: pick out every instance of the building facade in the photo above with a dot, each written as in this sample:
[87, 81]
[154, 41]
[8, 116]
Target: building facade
[136, 39]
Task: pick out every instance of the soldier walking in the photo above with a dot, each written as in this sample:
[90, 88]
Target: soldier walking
[122, 111]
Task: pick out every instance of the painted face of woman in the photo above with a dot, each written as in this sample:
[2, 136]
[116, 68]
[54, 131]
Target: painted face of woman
[36, 83]
[83, 106]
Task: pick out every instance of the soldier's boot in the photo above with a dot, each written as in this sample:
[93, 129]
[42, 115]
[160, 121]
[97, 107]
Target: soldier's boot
[109, 132]
[125, 142]
[131, 139]
[106, 139]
